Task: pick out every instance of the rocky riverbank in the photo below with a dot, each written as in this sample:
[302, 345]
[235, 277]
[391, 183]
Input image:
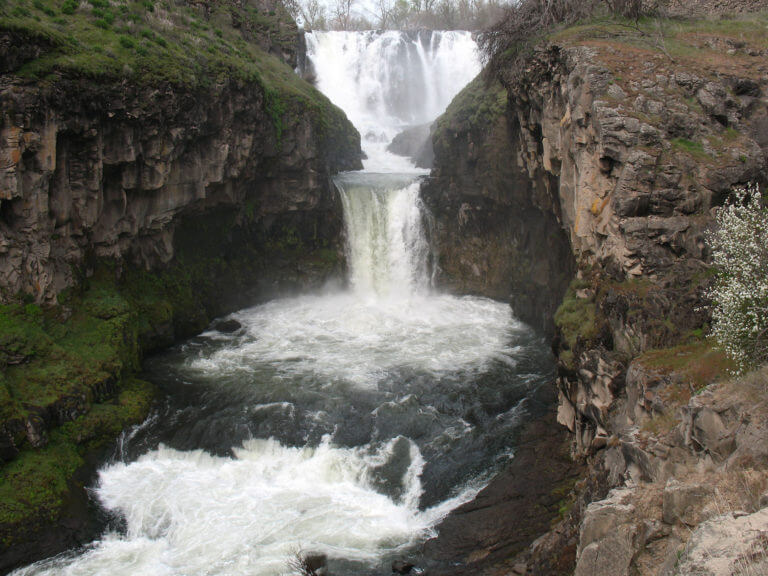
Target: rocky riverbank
[607, 160]
[146, 189]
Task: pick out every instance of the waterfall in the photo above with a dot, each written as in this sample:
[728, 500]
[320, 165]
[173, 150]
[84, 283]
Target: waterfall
[346, 423]
[387, 248]
[386, 82]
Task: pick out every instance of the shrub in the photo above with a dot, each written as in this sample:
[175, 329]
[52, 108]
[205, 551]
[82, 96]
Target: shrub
[69, 7]
[127, 42]
[740, 293]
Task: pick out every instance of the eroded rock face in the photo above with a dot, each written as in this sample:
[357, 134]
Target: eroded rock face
[497, 230]
[635, 166]
[617, 158]
[735, 543]
[108, 171]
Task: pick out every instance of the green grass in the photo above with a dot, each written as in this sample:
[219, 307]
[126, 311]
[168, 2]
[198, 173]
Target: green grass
[154, 43]
[79, 365]
[693, 149]
[34, 486]
[576, 319]
[478, 106]
[56, 360]
[696, 361]
[670, 35]
[119, 28]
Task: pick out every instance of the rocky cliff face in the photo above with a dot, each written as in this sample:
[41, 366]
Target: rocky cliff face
[621, 148]
[110, 171]
[640, 164]
[497, 227]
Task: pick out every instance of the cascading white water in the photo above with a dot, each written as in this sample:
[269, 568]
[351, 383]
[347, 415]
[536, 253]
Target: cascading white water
[387, 248]
[326, 420]
[386, 81]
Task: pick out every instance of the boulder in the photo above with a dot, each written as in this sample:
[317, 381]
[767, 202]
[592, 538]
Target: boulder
[611, 536]
[227, 326]
[401, 567]
[685, 503]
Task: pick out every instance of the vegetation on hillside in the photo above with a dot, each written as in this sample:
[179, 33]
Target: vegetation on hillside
[178, 41]
[740, 292]
[508, 44]
[69, 365]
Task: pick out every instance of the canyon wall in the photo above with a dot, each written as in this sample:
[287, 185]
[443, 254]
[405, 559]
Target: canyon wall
[497, 227]
[109, 171]
[613, 152]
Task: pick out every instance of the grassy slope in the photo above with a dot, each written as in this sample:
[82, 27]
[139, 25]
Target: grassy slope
[187, 44]
[64, 365]
[710, 49]
[150, 41]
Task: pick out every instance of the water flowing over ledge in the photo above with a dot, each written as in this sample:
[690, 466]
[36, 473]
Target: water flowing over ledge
[387, 81]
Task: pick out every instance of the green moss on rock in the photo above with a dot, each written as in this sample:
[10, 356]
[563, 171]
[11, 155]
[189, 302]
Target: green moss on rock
[188, 45]
[35, 485]
[479, 105]
[576, 318]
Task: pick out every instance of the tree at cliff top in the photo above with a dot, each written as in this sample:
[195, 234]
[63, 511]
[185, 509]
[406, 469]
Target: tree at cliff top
[396, 14]
[740, 293]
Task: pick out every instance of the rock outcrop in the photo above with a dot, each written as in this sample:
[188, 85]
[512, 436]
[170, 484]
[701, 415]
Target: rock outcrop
[496, 227]
[613, 152]
[636, 165]
[109, 171]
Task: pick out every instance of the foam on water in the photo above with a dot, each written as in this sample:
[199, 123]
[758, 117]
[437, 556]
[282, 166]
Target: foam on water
[193, 513]
[360, 340]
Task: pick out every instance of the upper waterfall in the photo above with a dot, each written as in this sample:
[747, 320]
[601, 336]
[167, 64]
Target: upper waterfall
[386, 81]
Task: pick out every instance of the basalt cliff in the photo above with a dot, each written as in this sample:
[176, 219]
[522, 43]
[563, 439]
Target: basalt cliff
[161, 165]
[582, 191]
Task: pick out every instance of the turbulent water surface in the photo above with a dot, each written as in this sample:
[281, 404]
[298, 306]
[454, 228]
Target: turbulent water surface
[346, 423]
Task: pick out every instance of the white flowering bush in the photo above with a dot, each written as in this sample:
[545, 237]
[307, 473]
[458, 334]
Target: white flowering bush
[740, 292]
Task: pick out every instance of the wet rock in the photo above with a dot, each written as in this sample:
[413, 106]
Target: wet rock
[227, 326]
[515, 509]
[415, 143]
[402, 567]
[315, 563]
